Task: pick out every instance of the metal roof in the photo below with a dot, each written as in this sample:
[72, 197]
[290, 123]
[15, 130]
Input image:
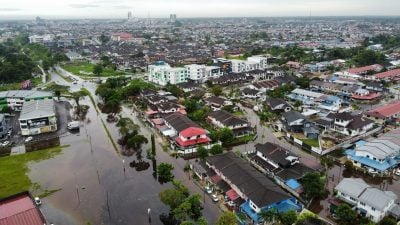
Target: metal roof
[26, 94]
[37, 109]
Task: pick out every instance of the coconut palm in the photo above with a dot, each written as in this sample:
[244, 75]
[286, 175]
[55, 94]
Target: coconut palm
[269, 216]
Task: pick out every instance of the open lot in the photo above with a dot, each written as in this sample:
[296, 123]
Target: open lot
[86, 69]
[14, 171]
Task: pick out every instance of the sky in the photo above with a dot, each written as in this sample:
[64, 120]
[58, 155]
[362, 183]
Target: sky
[62, 9]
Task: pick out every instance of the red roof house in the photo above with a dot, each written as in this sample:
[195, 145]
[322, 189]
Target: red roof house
[20, 210]
[388, 75]
[365, 69]
[188, 133]
[388, 111]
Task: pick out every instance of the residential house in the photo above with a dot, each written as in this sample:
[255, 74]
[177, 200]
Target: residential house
[305, 96]
[293, 121]
[258, 192]
[365, 69]
[224, 119]
[281, 164]
[252, 93]
[216, 103]
[381, 154]
[389, 75]
[386, 112]
[349, 124]
[368, 201]
[186, 134]
[277, 105]
[3, 126]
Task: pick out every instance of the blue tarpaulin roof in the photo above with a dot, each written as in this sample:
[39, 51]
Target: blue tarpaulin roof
[293, 184]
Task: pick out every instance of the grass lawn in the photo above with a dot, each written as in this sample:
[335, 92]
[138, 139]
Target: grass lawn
[238, 113]
[16, 86]
[14, 171]
[311, 142]
[86, 69]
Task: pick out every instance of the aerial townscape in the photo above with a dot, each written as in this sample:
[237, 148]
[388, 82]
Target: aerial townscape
[212, 119]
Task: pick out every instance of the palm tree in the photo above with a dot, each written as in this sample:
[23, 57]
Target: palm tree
[78, 96]
[269, 216]
[114, 106]
[125, 126]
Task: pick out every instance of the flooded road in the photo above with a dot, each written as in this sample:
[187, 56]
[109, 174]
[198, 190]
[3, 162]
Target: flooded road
[94, 185]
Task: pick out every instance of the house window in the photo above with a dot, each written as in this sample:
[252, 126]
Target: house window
[353, 199]
[362, 203]
[373, 209]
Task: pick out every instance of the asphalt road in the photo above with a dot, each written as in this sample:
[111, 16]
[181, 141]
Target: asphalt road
[267, 135]
[110, 196]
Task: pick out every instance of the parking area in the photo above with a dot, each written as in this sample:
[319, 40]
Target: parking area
[63, 117]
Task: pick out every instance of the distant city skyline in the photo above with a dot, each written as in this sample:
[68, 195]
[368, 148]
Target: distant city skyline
[74, 9]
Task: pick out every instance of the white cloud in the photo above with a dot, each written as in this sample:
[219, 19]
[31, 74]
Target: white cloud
[196, 8]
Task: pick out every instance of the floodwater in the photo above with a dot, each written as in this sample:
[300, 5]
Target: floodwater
[94, 185]
[98, 185]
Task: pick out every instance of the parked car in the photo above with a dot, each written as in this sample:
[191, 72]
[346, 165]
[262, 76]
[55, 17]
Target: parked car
[28, 139]
[38, 202]
[5, 143]
[208, 190]
[397, 172]
[215, 198]
[372, 171]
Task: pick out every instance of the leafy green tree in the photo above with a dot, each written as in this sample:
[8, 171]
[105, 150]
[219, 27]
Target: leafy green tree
[226, 135]
[314, 185]
[174, 89]
[227, 218]
[174, 196]
[77, 96]
[6, 109]
[216, 90]
[346, 215]
[164, 171]
[113, 105]
[387, 221]
[136, 141]
[104, 39]
[288, 218]
[202, 221]
[202, 153]
[303, 82]
[269, 216]
[216, 149]
[98, 69]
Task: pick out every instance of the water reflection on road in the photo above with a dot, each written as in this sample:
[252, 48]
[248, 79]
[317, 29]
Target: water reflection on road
[99, 186]
[94, 185]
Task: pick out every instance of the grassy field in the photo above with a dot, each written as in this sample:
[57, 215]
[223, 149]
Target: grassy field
[16, 86]
[14, 171]
[86, 69]
[311, 142]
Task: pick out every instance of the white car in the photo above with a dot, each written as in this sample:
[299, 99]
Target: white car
[28, 139]
[215, 198]
[38, 202]
[208, 190]
[5, 143]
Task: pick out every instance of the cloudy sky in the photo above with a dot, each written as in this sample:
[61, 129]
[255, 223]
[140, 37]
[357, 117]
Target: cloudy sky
[26, 9]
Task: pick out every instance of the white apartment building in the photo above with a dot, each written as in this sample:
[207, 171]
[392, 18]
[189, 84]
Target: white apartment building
[162, 73]
[41, 39]
[252, 63]
[201, 73]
